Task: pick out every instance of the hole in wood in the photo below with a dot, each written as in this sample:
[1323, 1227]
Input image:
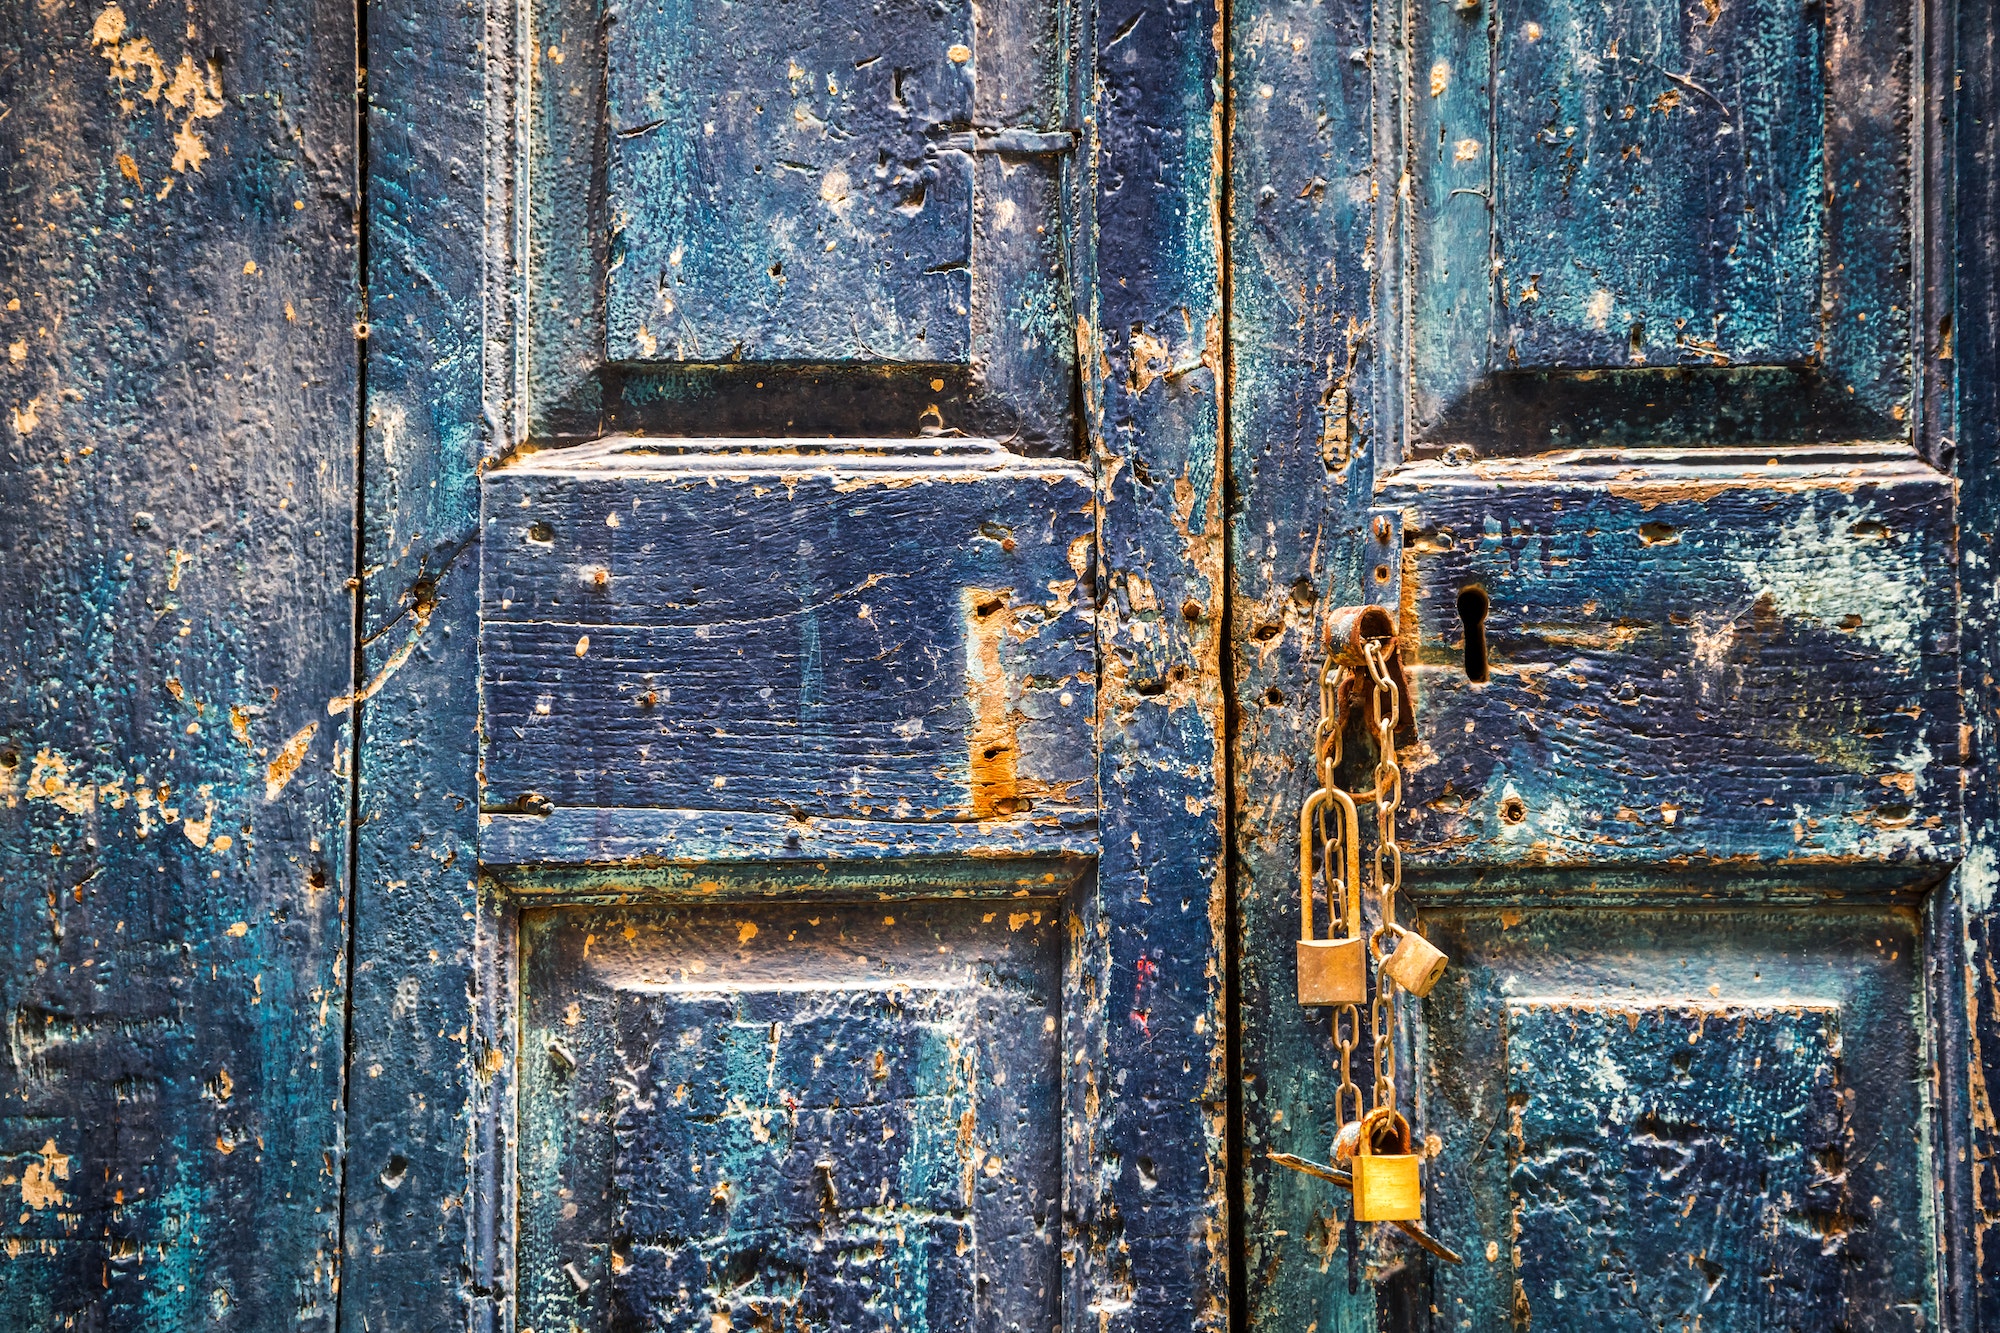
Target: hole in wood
[1472, 608]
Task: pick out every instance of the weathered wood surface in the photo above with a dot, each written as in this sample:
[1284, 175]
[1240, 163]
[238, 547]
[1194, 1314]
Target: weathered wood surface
[892, 633]
[841, 1116]
[1657, 181]
[1963, 335]
[782, 181]
[1304, 425]
[1737, 1139]
[177, 303]
[428, 1028]
[1596, 188]
[1694, 659]
[1653, 1117]
[846, 219]
[1148, 1171]
[1649, 573]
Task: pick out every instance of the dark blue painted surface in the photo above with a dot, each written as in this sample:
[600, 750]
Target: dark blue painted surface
[1718, 674]
[177, 405]
[1597, 188]
[1693, 659]
[782, 181]
[776, 218]
[903, 636]
[1656, 183]
[1676, 1112]
[845, 1116]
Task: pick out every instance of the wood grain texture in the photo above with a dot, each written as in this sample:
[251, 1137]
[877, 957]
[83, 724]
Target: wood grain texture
[777, 220]
[1965, 342]
[1694, 659]
[846, 1116]
[1147, 1172]
[1646, 1117]
[1657, 183]
[872, 634]
[177, 302]
[782, 185]
[1305, 234]
[1595, 189]
[419, 1251]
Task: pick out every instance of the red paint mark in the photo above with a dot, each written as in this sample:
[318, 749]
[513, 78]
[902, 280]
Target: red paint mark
[1148, 970]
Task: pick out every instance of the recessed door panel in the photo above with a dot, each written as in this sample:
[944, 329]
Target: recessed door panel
[835, 1116]
[1643, 224]
[781, 217]
[1657, 183]
[783, 181]
[1648, 1117]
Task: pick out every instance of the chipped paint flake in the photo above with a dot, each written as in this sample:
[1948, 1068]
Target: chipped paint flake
[281, 769]
[39, 1189]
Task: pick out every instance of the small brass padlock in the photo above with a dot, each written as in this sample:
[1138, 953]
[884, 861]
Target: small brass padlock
[1416, 964]
[1387, 1186]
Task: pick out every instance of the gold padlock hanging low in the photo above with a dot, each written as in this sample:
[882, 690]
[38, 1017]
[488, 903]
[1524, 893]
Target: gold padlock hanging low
[1388, 1187]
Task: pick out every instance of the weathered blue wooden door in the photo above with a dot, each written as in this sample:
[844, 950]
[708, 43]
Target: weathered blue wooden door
[790, 783]
[1634, 324]
[664, 683]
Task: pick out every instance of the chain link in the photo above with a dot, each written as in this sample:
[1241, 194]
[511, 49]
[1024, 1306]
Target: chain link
[1321, 860]
[1384, 707]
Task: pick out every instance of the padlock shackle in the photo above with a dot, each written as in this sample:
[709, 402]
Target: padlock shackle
[1371, 1125]
[1346, 915]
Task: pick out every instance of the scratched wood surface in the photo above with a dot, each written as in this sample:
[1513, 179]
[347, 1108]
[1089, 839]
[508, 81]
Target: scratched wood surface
[1141, 1149]
[1598, 188]
[427, 1022]
[915, 644]
[1695, 659]
[1303, 431]
[1651, 1117]
[1648, 562]
[1964, 935]
[836, 1116]
[792, 216]
[177, 300]
[1661, 202]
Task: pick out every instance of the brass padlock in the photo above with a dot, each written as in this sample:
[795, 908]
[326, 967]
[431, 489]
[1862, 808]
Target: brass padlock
[1332, 971]
[1387, 1186]
[1416, 963]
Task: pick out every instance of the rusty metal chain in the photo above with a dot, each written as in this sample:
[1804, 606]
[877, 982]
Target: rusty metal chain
[1384, 703]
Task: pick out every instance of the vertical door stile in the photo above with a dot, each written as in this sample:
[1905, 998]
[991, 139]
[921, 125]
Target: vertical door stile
[1152, 1236]
[1306, 232]
[419, 1059]
[1961, 339]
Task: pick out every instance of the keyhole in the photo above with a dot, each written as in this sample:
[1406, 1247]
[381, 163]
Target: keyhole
[1472, 606]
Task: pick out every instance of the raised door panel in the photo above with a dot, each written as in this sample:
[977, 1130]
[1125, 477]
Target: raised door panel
[772, 217]
[683, 635]
[839, 1117]
[1681, 658]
